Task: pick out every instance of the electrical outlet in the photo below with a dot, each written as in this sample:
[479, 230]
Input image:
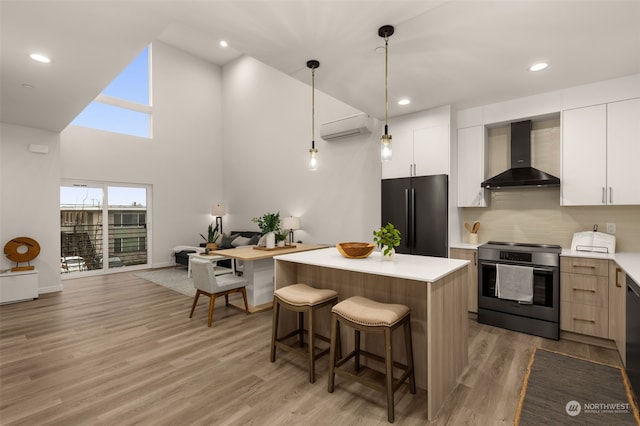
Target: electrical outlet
[611, 228]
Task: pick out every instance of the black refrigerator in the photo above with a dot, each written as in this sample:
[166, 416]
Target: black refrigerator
[418, 207]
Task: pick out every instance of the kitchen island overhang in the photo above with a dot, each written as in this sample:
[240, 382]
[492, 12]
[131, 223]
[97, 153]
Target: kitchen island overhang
[434, 288]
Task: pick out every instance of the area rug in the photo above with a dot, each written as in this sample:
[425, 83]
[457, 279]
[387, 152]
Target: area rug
[560, 389]
[171, 278]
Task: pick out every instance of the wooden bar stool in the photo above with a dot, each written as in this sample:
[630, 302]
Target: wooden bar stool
[302, 299]
[365, 315]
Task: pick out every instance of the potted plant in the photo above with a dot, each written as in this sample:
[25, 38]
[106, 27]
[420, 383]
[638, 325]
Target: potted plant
[268, 223]
[212, 236]
[281, 237]
[387, 237]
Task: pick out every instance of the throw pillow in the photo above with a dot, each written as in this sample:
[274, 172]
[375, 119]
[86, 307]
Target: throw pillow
[254, 240]
[240, 241]
[227, 240]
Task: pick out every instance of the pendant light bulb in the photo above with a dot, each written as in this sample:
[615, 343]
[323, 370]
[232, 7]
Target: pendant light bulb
[313, 159]
[385, 141]
[313, 152]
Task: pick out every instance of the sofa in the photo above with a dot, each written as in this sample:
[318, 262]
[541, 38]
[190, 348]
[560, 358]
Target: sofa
[226, 241]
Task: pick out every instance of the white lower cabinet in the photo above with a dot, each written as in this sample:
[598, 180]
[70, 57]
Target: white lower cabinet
[18, 286]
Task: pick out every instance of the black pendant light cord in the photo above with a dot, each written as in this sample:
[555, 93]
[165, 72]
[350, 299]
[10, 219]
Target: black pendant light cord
[313, 108]
[386, 83]
[386, 31]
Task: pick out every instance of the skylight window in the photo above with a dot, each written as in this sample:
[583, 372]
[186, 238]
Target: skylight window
[124, 106]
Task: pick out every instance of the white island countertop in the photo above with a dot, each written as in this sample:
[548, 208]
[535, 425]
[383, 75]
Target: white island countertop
[405, 266]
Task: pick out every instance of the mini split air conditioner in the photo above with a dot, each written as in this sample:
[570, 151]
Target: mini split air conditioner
[352, 125]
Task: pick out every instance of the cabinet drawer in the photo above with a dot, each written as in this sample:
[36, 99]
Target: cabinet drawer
[582, 265]
[584, 319]
[587, 289]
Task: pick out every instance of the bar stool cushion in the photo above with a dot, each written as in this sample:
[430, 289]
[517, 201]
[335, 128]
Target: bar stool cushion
[367, 312]
[303, 295]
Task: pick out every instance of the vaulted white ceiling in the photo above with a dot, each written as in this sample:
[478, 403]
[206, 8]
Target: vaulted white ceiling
[463, 53]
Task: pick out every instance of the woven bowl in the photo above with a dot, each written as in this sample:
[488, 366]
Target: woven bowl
[354, 250]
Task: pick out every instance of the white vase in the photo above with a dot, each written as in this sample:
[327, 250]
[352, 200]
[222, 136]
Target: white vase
[271, 239]
[281, 243]
[388, 256]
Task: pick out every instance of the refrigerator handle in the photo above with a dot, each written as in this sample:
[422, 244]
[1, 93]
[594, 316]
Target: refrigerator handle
[407, 207]
[413, 217]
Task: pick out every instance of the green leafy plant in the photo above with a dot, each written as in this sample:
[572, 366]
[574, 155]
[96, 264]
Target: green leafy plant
[387, 236]
[268, 222]
[281, 235]
[212, 234]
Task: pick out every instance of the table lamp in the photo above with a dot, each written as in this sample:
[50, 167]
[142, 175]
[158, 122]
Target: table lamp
[291, 223]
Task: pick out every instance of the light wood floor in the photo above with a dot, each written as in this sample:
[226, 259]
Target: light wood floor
[119, 350]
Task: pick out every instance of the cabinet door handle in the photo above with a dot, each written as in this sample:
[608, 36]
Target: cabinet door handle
[475, 258]
[618, 283]
[584, 266]
[584, 289]
[585, 320]
[604, 197]
[610, 195]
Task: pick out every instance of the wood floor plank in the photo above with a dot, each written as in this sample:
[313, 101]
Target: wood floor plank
[116, 349]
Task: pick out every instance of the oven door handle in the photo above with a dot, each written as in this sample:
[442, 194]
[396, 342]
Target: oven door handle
[543, 270]
[535, 269]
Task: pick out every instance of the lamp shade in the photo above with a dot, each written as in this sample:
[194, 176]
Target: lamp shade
[218, 210]
[291, 223]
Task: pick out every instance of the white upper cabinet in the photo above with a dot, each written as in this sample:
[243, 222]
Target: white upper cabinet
[471, 166]
[623, 152]
[401, 163]
[420, 144]
[584, 156]
[600, 145]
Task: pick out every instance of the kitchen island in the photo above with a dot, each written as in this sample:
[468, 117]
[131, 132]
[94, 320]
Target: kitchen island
[434, 288]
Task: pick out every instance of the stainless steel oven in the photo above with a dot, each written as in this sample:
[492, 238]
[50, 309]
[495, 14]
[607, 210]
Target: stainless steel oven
[542, 316]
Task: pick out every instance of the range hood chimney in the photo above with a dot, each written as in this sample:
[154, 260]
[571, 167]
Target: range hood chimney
[521, 174]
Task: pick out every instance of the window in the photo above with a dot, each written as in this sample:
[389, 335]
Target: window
[103, 226]
[128, 219]
[125, 105]
[129, 245]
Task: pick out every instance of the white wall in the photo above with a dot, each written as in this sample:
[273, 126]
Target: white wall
[267, 134]
[182, 162]
[29, 194]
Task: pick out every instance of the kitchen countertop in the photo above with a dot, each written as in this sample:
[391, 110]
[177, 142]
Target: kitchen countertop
[406, 266]
[466, 246]
[628, 261]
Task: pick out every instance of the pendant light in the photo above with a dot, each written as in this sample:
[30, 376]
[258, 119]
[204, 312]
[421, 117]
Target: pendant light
[386, 31]
[313, 152]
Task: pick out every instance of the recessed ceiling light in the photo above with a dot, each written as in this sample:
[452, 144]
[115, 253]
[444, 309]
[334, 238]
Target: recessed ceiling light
[223, 43]
[404, 102]
[538, 67]
[40, 58]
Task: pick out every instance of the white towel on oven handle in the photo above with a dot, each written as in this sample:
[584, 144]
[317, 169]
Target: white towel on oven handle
[514, 283]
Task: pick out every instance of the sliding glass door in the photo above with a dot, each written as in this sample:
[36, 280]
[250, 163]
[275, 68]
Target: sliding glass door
[103, 226]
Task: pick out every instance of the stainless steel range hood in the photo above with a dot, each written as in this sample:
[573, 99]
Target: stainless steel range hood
[521, 174]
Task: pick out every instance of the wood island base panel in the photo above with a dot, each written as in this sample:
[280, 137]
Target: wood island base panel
[438, 303]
